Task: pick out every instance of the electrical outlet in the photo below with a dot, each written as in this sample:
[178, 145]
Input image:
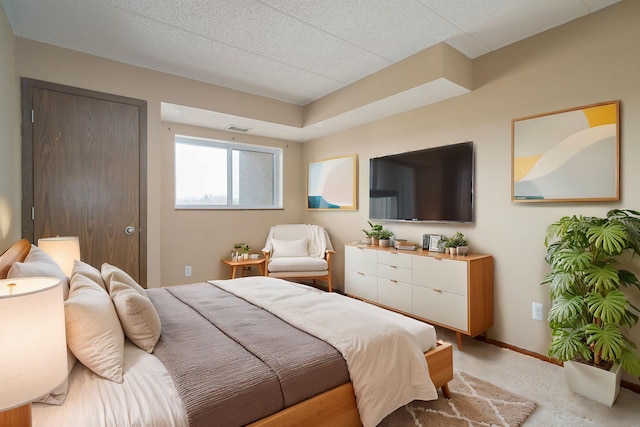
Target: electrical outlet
[537, 311]
[187, 271]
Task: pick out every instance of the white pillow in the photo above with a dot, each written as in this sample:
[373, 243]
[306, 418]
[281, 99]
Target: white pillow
[290, 248]
[138, 316]
[88, 271]
[38, 263]
[94, 334]
[119, 278]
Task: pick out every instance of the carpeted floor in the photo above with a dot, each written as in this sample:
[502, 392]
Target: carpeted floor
[542, 383]
[473, 403]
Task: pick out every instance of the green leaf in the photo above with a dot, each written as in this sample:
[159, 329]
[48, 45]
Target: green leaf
[567, 307]
[602, 279]
[562, 282]
[606, 340]
[610, 308]
[565, 345]
[628, 278]
[630, 362]
[573, 260]
[610, 237]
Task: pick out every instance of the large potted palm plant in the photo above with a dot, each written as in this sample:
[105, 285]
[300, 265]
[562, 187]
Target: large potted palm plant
[590, 316]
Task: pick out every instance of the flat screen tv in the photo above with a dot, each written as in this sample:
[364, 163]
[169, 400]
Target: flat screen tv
[434, 184]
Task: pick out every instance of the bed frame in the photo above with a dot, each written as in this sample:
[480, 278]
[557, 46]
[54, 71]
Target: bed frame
[335, 407]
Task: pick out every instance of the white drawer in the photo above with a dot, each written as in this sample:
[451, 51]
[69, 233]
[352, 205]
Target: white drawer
[441, 274]
[395, 258]
[361, 285]
[394, 273]
[361, 260]
[395, 294]
[441, 307]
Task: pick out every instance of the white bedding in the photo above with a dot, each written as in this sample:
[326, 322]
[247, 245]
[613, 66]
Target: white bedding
[146, 398]
[386, 365]
[424, 333]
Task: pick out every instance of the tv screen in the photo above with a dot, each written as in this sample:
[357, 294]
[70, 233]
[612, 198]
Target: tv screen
[434, 184]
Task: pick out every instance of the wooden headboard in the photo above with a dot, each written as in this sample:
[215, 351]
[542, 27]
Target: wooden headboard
[16, 253]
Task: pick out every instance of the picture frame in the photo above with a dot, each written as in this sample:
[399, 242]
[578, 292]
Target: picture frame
[332, 184]
[434, 241]
[570, 155]
[425, 241]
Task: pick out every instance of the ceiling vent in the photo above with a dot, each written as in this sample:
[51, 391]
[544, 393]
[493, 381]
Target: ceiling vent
[236, 128]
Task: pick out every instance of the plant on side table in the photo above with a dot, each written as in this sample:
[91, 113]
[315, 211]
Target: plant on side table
[242, 249]
[590, 315]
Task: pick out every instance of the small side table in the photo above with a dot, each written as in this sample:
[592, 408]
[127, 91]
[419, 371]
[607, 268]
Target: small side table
[242, 263]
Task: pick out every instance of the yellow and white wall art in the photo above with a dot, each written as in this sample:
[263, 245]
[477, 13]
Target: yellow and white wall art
[568, 155]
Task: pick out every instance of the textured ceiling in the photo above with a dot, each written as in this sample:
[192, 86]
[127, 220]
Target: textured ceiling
[291, 50]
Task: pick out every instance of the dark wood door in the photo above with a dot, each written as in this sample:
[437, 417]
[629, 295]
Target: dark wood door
[86, 173]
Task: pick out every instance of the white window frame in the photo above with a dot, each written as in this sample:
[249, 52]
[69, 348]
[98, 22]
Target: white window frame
[230, 147]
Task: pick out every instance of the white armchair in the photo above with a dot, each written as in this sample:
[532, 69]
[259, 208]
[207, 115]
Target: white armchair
[298, 251]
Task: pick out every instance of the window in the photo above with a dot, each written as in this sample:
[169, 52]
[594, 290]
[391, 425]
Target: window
[227, 175]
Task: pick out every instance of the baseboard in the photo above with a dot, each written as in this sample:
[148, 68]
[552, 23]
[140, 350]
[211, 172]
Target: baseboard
[626, 384]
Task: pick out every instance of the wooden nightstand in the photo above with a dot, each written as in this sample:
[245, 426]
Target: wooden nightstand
[242, 263]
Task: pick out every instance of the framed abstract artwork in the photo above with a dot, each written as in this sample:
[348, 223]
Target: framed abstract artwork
[566, 156]
[332, 184]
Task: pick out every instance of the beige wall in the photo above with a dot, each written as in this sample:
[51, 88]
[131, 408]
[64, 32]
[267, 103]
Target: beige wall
[586, 61]
[9, 134]
[202, 238]
[49, 63]
[590, 60]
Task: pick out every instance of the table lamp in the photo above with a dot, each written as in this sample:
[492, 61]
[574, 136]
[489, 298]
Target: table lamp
[64, 250]
[33, 352]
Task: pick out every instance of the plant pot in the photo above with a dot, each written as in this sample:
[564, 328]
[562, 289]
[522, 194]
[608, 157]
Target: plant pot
[367, 240]
[384, 242]
[245, 256]
[462, 250]
[594, 383]
[451, 251]
[375, 240]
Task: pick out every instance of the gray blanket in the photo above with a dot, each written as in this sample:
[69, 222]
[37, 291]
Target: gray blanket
[234, 363]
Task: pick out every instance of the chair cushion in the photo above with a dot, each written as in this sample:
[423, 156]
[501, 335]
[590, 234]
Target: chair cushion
[318, 239]
[297, 264]
[290, 248]
[299, 274]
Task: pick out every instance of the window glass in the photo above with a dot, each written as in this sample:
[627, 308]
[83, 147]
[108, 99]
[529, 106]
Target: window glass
[221, 175]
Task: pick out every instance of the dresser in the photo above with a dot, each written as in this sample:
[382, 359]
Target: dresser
[455, 292]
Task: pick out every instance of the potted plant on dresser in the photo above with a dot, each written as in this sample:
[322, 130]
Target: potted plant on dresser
[385, 237]
[590, 316]
[373, 233]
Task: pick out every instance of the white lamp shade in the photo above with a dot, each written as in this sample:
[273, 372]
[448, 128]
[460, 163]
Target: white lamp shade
[64, 250]
[33, 354]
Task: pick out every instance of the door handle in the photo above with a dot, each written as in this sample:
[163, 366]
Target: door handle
[129, 230]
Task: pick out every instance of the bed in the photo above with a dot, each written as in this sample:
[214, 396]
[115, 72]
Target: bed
[158, 388]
